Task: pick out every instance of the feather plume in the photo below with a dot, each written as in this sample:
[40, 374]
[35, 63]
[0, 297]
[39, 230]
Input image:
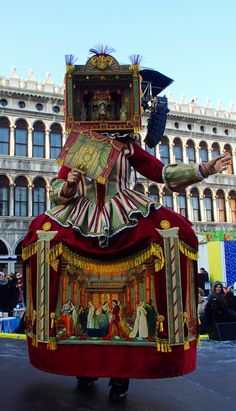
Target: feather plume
[135, 59]
[70, 59]
[100, 49]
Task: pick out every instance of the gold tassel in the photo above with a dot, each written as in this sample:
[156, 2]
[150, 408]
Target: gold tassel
[34, 338]
[198, 341]
[186, 344]
[161, 319]
[199, 320]
[52, 343]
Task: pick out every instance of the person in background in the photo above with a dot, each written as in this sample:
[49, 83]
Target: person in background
[203, 278]
[217, 308]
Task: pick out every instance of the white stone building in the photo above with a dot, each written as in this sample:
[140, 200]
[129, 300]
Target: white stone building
[32, 133]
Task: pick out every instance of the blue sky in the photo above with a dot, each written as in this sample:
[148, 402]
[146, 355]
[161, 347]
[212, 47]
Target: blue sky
[193, 42]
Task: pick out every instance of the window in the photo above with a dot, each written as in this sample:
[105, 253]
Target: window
[214, 130]
[4, 135]
[153, 193]
[215, 150]
[3, 102]
[21, 104]
[164, 150]
[150, 150]
[39, 140]
[220, 205]
[21, 197]
[56, 109]
[55, 140]
[232, 205]
[139, 187]
[176, 125]
[190, 151]
[208, 205]
[39, 107]
[167, 199]
[39, 197]
[4, 196]
[228, 150]
[195, 205]
[226, 132]
[21, 138]
[202, 129]
[203, 152]
[189, 126]
[177, 150]
[182, 203]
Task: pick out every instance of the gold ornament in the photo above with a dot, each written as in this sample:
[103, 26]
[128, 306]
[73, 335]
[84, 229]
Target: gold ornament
[47, 226]
[165, 224]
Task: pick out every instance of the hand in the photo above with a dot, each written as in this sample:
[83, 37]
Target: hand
[69, 188]
[73, 177]
[216, 165]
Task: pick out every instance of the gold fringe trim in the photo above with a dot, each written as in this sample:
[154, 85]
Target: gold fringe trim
[188, 251]
[198, 341]
[52, 344]
[29, 251]
[163, 345]
[102, 267]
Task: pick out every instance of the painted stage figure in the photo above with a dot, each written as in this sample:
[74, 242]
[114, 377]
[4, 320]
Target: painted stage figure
[102, 242]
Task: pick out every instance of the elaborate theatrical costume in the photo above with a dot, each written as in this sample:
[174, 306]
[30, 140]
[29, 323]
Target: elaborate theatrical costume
[104, 242]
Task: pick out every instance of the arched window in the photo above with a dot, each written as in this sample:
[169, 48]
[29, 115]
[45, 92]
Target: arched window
[21, 197]
[215, 148]
[195, 204]
[203, 152]
[153, 193]
[228, 150]
[150, 150]
[208, 205]
[55, 140]
[220, 206]
[178, 150]
[39, 196]
[3, 252]
[182, 203]
[164, 150]
[4, 196]
[139, 187]
[4, 135]
[18, 253]
[21, 138]
[190, 152]
[39, 140]
[232, 206]
[167, 199]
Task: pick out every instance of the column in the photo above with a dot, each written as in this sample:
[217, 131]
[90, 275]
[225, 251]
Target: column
[175, 204]
[202, 211]
[47, 144]
[171, 145]
[30, 200]
[227, 209]
[11, 200]
[30, 141]
[185, 159]
[215, 210]
[12, 141]
[189, 208]
[47, 197]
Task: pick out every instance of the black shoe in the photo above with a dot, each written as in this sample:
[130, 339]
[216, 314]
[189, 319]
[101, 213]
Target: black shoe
[85, 382]
[119, 389]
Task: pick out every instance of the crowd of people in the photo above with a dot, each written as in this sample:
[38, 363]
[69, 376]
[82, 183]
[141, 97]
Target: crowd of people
[11, 292]
[218, 307]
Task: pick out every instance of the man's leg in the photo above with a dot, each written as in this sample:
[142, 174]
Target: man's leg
[119, 388]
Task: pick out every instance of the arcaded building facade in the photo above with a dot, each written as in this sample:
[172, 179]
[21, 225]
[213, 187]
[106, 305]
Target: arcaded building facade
[32, 133]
